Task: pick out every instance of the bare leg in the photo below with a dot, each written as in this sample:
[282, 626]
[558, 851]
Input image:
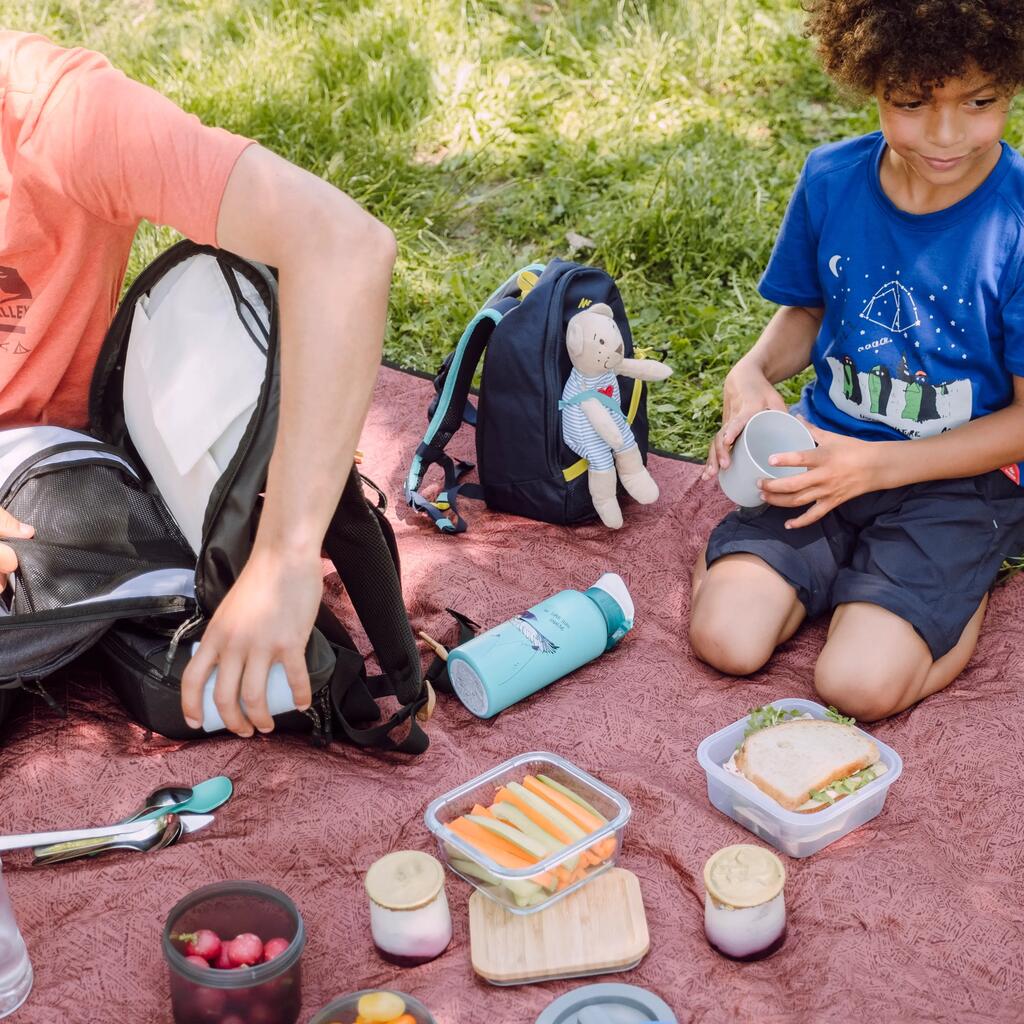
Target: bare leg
[741, 610]
[875, 664]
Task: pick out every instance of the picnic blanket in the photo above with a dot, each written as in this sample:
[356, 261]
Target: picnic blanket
[915, 917]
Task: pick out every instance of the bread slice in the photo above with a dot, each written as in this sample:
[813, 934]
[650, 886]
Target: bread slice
[790, 760]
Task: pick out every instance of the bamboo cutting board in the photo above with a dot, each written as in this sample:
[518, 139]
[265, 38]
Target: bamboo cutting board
[600, 928]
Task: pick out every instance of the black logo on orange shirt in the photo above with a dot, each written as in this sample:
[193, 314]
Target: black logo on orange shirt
[15, 299]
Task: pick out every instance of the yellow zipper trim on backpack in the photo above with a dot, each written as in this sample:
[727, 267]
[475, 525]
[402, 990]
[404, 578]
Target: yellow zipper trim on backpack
[579, 468]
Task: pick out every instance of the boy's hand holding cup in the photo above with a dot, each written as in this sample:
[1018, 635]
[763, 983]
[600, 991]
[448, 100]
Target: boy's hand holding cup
[747, 391]
[767, 433]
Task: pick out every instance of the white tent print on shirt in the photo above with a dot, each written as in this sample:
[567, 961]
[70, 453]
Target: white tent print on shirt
[892, 307]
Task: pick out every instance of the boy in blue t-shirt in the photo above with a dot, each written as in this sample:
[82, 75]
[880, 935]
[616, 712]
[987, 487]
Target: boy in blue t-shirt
[899, 270]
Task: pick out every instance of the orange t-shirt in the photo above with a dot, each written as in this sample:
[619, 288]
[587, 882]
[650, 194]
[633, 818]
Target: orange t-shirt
[85, 154]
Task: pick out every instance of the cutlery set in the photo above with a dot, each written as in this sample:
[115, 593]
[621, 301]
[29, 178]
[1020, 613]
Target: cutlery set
[167, 814]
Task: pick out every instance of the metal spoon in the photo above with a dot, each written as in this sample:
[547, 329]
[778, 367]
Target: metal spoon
[165, 796]
[152, 834]
[202, 798]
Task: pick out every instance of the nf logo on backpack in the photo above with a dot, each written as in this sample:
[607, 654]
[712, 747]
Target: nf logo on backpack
[15, 299]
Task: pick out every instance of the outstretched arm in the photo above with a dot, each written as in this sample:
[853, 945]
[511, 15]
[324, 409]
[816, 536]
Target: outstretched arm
[334, 262]
[643, 369]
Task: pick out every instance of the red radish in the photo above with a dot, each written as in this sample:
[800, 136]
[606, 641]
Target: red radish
[210, 1002]
[223, 961]
[202, 943]
[245, 950]
[197, 960]
[263, 1014]
[274, 947]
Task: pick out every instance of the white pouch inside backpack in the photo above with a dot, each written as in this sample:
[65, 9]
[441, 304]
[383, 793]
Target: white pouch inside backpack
[192, 377]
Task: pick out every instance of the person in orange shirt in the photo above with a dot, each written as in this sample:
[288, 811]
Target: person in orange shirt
[85, 155]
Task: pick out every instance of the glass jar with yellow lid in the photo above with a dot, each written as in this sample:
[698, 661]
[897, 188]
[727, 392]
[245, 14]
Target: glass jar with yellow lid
[744, 904]
[409, 914]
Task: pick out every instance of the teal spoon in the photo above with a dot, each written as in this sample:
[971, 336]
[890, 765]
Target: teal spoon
[205, 797]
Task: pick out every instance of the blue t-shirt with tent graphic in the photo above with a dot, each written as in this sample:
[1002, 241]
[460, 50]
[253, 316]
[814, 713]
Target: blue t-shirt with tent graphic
[924, 313]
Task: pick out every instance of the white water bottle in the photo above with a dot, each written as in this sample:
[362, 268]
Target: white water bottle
[279, 696]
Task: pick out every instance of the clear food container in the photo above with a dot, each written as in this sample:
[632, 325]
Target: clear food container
[345, 1009]
[503, 877]
[798, 835]
[266, 993]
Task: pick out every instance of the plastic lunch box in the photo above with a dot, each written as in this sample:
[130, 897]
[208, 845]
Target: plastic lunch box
[798, 835]
[527, 890]
[343, 1010]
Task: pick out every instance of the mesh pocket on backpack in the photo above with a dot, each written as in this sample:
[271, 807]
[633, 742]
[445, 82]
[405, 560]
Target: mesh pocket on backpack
[96, 530]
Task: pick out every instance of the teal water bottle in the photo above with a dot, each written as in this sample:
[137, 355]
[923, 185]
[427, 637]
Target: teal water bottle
[498, 668]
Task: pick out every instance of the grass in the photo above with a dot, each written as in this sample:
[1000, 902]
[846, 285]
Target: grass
[486, 133]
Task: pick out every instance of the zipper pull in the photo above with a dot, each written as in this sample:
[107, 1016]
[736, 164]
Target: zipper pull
[35, 686]
[180, 634]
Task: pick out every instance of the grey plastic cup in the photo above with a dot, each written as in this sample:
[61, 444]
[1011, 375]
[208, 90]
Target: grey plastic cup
[768, 432]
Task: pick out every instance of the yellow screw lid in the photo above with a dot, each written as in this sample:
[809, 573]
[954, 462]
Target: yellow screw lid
[404, 880]
[744, 876]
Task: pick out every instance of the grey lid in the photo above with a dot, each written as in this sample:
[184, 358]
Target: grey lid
[616, 1004]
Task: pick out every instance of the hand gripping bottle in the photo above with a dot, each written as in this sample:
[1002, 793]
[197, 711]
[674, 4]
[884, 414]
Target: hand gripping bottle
[496, 669]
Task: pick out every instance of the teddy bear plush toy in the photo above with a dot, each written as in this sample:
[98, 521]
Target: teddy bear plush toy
[592, 422]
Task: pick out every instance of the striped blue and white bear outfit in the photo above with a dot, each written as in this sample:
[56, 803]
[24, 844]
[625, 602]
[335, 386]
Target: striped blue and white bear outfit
[578, 432]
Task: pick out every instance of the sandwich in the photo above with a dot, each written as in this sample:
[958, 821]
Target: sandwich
[804, 763]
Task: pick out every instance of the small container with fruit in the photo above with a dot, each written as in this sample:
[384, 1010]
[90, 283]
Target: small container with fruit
[529, 831]
[234, 951]
[374, 1007]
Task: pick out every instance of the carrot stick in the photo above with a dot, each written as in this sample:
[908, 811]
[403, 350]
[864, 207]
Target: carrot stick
[572, 810]
[497, 849]
[538, 819]
[484, 812]
[490, 844]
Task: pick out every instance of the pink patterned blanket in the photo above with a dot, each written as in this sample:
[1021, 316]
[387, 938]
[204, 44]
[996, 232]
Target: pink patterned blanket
[915, 917]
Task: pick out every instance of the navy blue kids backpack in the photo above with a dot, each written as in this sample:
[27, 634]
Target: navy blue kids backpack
[524, 467]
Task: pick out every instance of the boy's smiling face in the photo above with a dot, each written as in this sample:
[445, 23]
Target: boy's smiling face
[943, 142]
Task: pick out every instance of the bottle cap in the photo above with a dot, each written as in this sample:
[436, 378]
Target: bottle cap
[610, 595]
[404, 880]
[744, 875]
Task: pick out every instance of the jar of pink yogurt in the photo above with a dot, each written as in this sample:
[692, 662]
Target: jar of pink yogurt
[409, 914]
[744, 904]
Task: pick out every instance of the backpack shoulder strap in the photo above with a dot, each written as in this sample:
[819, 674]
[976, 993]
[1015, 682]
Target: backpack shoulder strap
[360, 543]
[451, 407]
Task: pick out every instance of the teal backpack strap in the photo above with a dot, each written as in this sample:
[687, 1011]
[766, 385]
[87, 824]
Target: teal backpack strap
[451, 407]
[608, 402]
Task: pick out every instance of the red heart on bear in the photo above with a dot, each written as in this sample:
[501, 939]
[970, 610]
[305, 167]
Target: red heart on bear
[607, 391]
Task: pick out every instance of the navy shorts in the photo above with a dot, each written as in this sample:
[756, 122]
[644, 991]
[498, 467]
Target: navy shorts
[926, 552]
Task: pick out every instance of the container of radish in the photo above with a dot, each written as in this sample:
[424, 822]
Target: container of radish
[529, 831]
[234, 951]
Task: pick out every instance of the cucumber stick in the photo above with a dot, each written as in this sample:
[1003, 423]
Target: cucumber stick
[574, 797]
[513, 816]
[519, 839]
[523, 892]
[543, 808]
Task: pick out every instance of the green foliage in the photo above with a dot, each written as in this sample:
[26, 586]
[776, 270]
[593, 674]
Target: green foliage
[484, 132]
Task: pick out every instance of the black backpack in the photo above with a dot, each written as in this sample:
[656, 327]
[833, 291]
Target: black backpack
[143, 524]
[524, 466]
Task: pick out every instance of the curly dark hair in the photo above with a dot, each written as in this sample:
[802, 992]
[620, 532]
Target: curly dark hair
[867, 44]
